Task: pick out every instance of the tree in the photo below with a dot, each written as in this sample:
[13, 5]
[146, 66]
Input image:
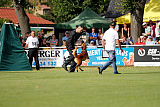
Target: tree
[23, 19]
[136, 8]
[65, 10]
[5, 3]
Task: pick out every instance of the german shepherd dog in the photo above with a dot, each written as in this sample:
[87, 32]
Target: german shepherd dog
[83, 56]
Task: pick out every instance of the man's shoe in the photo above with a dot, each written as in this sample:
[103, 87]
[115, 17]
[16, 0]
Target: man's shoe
[117, 73]
[99, 70]
[65, 67]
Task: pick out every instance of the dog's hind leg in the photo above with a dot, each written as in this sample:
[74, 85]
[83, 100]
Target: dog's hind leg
[81, 69]
[77, 68]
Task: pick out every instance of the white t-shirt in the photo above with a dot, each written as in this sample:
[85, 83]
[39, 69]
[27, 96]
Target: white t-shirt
[110, 37]
[32, 42]
[157, 31]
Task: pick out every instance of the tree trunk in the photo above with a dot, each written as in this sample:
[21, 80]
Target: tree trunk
[137, 20]
[22, 17]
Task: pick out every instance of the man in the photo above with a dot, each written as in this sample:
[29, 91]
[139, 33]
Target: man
[33, 44]
[147, 30]
[110, 38]
[66, 35]
[116, 26]
[74, 36]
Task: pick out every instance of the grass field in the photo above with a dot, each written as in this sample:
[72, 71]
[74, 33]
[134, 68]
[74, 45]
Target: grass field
[135, 87]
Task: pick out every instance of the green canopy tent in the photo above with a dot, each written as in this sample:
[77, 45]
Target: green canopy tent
[12, 54]
[87, 18]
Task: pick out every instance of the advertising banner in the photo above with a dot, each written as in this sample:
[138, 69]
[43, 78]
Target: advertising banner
[97, 59]
[147, 56]
[49, 57]
[55, 57]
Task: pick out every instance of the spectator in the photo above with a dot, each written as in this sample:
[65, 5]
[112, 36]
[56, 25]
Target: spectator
[92, 43]
[66, 35]
[147, 30]
[40, 39]
[152, 30]
[93, 36]
[53, 41]
[125, 31]
[64, 43]
[157, 32]
[23, 43]
[150, 41]
[26, 36]
[100, 35]
[126, 41]
[144, 39]
[44, 43]
[117, 26]
[85, 36]
[139, 42]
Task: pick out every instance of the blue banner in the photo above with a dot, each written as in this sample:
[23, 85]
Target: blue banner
[95, 57]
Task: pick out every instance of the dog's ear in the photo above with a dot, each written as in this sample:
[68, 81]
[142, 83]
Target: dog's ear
[83, 46]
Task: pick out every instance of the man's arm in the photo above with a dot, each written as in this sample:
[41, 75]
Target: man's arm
[119, 44]
[26, 46]
[103, 43]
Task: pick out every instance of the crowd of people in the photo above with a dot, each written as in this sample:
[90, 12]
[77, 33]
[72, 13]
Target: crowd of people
[150, 36]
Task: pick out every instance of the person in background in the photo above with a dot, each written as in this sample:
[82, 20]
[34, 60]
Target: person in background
[157, 32]
[53, 41]
[100, 35]
[33, 44]
[66, 35]
[40, 39]
[153, 27]
[125, 31]
[64, 43]
[139, 42]
[26, 36]
[117, 26]
[147, 30]
[91, 43]
[144, 39]
[85, 35]
[93, 36]
[44, 43]
[126, 41]
[150, 41]
[23, 43]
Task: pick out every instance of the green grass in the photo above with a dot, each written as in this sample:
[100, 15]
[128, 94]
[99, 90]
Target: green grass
[135, 87]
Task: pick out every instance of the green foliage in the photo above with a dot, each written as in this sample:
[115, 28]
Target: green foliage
[129, 5]
[65, 10]
[5, 3]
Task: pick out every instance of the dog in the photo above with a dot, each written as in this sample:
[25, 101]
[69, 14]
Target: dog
[83, 56]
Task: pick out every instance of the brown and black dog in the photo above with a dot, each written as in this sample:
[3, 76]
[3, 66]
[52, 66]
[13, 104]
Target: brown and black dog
[83, 56]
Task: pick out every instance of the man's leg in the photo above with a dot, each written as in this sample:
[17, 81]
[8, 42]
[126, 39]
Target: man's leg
[30, 55]
[73, 66]
[108, 62]
[114, 62]
[68, 61]
[36, 59]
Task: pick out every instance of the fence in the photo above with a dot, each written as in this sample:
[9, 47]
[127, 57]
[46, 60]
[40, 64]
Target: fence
[132, 56]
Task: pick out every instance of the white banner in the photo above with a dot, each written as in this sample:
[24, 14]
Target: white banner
[49, 58]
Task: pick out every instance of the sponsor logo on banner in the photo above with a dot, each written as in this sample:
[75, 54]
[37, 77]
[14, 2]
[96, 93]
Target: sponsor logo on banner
[141, 52]
[147, 55]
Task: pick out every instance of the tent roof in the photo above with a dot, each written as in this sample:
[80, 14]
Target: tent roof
[151, 12]
[87, 18]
